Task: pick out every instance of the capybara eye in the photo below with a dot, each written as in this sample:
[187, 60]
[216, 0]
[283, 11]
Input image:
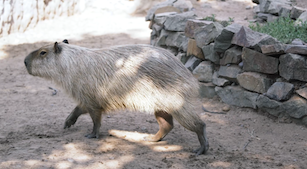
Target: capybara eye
[43, 53]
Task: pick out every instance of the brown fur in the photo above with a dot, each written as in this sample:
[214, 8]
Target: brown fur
[136, 77]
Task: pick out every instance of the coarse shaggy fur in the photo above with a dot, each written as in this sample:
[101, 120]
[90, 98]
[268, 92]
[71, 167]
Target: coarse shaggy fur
[139, 78]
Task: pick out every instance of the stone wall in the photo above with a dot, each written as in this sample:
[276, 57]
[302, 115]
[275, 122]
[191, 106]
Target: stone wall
[270, 10]
[242, 67]
[20, 15]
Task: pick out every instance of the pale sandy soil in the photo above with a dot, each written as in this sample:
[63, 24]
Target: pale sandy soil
[32, 120]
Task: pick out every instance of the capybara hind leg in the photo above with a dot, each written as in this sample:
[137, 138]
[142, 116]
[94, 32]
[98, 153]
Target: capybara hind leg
[73, 116]
[165, 122]
[96, 117]
[203, 140]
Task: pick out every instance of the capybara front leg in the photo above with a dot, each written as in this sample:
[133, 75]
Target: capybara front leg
[73, 116]
[203, 140]
[96, 117]
[165, 122]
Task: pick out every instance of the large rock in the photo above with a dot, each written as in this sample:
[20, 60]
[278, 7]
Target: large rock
[276, 6]
[151, 11]
[161, 18]
[192, 63]
[206, 35]
[246, 37]
[223, 40]
[177, 39]
[177, 22]
[293, 67]
[296, 49]
[301, 19]
[156, 29]
[194, 24]
[219, 81]
[273, 6]
[210, 54]
[236, 96]
[267, 40]
[167, 9]
[264, 5]
[269, 106]
[280, 91]
[193, 49]
[232, 55]
[203, 72]
[207, 90]
[229, 72]
[160, 41]
[254, 81]
[296, 12]
[274, 49]
[266, 17]
[296, 107]
[285, 11]
[183, 5]
[251, 39]
[257, 62]
[302, 92]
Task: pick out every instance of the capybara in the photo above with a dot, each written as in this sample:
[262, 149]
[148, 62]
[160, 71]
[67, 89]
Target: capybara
[138, 78]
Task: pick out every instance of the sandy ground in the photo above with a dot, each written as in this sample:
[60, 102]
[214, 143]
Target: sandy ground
[32, 119]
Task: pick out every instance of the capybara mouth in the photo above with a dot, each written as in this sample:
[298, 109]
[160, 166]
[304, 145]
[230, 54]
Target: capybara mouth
[28, 66]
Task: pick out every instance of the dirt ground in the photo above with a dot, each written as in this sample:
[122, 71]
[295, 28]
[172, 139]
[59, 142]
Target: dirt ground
[32, 119]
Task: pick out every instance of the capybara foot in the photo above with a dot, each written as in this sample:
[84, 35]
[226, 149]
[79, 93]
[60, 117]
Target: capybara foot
[201, 150]
[204, 143]
[73, 116]
[92, 135]
[69, 121]
[152, 138]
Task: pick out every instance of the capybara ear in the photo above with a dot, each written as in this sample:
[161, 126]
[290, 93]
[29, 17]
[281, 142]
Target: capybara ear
[57, 48]
[65, 41]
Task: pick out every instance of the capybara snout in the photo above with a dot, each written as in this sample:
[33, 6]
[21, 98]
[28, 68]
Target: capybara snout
[140, 78]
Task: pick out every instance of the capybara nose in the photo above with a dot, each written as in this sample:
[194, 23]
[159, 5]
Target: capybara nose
[26, 62]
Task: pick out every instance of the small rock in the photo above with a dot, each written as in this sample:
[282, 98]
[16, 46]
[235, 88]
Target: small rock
[226, 108]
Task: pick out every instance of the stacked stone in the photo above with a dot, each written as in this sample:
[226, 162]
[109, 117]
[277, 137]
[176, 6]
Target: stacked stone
[243, 67]
[270, 10]
[19, 15]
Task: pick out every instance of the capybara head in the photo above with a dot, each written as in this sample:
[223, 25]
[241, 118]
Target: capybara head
[43, 59]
